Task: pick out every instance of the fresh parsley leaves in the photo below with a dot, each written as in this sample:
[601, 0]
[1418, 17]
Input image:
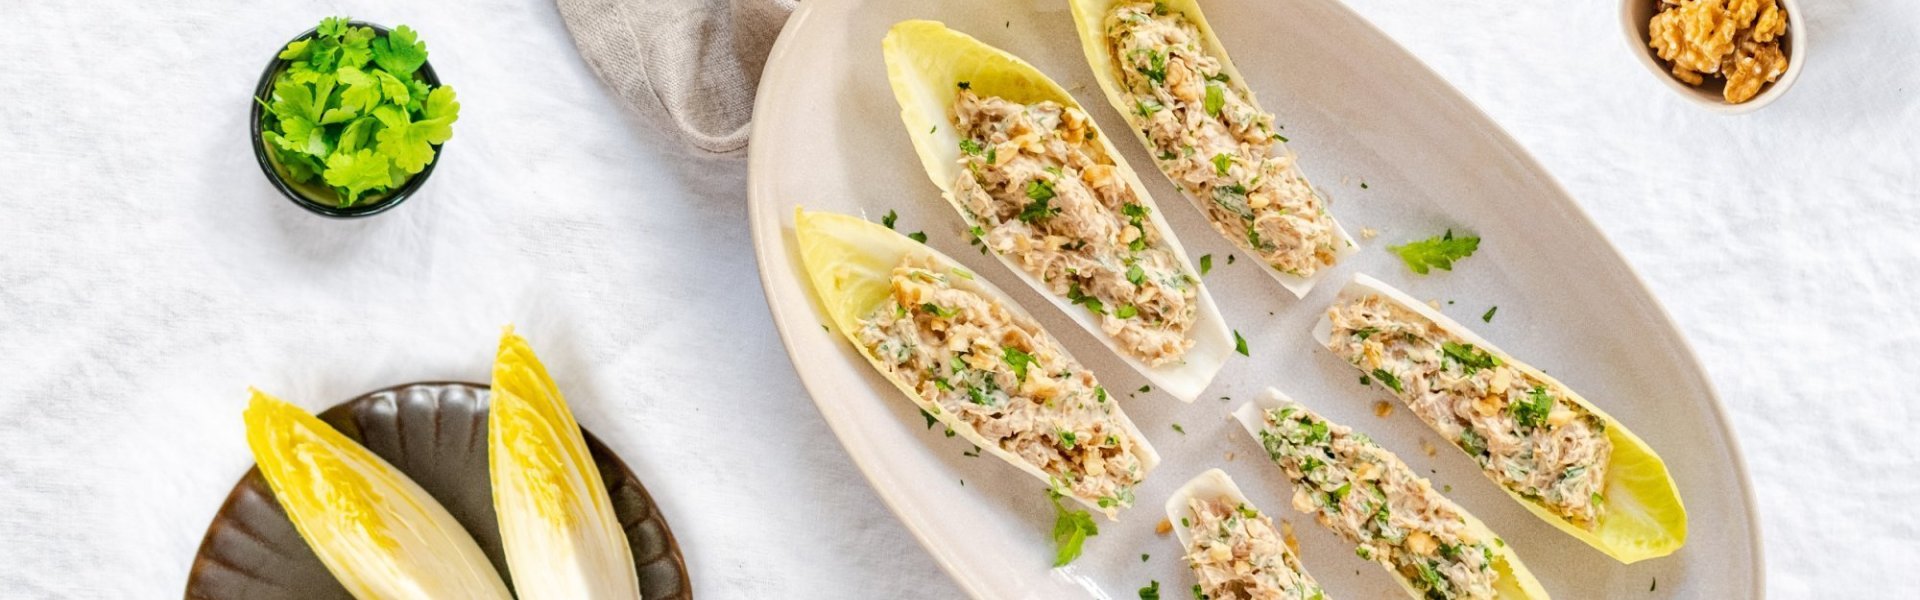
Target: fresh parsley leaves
[1152, 591]
[1469, 357]
[1071, 528]
[1436, 252]
[1532, 412]
[349, 112]
[1240, 343]
[1216, 98]
[1206, 264]
[1388, 379]
[889, 219]
[1018, 360]
[1040, 191]
[1488, 317]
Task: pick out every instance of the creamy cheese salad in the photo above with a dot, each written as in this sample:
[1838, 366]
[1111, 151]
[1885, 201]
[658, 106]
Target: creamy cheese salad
[1002, 375]
[1522, 430]
[1236, 554]
[1216, 143]
[1368, 496]
[1041, 190]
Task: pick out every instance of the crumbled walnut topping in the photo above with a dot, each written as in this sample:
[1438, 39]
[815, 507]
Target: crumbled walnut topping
[1738, 40]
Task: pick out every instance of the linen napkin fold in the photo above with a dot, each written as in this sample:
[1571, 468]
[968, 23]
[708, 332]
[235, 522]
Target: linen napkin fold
[688, 67]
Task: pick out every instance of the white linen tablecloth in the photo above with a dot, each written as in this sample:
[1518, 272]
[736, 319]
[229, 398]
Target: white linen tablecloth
[148, 274]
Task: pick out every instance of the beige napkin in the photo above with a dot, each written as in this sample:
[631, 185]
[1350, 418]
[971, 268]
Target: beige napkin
[689, 67]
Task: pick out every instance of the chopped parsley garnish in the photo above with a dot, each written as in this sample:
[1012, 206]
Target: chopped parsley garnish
[1365, 332]
[1388, 379]
[1152, 591]
[1177, 427]
[974, 453]
[930, 418]
[1363, 185]
[1488, 318]
[1532, 412]
[1136, 275]
[1436, 252]
[978, 396]
[1145, 107]
[1146, 388]
[1470, 358]
[1197, 594]
[1283, 139]
[1071, 528]
[938, 311]
[1040, 191]
[1222, 162]
[1143, 558]
[889, 219]
[1126, 311]
[1075, 296]
[1206, 264]
[1136, 216]
[1100, 393]
[1216, 98]
[1229, 259]
[1472, 443]
[966, 85]
[1067, 439]
[1017, 359]
[1156, 69]
[1239, 343]
[918, 236]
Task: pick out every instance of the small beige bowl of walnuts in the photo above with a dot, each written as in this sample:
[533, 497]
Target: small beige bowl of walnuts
[1729, 56]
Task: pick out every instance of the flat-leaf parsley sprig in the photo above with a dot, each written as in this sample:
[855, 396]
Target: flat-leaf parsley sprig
[351, 110]
[1437, 252]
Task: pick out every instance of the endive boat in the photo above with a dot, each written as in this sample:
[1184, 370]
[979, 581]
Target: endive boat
[557, 524]
[377, 532]
[1395, 518]
[1233, 549]
[1564, 459]
[971, 358]
[1039, 186]
[1166, 72]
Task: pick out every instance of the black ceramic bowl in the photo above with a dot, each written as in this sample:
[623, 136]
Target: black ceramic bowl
[301, 194]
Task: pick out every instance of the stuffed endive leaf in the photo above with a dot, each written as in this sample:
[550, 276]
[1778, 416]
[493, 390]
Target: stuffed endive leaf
[1565, 460]
[1040, 187]
[967, 355]
[1166, 72]
[379, 534]
[557, 523]
[1234, 549]
[1394, 517]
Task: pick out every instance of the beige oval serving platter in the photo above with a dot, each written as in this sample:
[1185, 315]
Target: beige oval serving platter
[1396, 150]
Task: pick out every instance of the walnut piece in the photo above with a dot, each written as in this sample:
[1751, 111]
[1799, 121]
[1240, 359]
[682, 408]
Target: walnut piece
[1738, 40]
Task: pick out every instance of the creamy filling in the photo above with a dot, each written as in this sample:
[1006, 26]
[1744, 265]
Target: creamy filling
[1521, 429]
[1368, 496]
[1042, 190]
[1006, 378]
[1212, 140]
[1236, 554]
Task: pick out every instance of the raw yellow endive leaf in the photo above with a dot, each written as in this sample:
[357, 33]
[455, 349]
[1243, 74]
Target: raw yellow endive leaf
[926, 64]
[850, 263]
[1089, 19]
[379, 534]
[1515, 582]
[1644, 516]
[557, 523]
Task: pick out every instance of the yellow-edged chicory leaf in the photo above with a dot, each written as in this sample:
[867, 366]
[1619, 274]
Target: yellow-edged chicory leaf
[562, 538]
[379, 534]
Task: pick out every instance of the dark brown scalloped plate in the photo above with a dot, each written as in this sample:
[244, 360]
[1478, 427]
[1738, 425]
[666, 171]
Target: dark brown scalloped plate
[436, 433]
